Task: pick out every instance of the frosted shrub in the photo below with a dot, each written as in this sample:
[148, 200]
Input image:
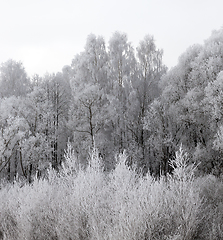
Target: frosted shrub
[184, 196]
[211, 191]
[94, 194]
[95, 162]
[9, 224]
[182, 171]
[123, 201]
[71, 165]
[88, 192]
[89, 203]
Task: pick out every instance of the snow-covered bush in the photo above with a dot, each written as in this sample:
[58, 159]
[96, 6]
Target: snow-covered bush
[90, 203]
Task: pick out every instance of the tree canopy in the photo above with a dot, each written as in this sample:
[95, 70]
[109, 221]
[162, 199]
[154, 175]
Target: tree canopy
[115, 98]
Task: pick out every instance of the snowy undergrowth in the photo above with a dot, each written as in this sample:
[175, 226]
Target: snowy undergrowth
[89, 204]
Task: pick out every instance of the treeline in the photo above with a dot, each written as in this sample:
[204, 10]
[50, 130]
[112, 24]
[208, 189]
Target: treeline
[115, 98]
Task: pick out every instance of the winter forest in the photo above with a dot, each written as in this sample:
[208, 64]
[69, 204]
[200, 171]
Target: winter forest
[116, 146]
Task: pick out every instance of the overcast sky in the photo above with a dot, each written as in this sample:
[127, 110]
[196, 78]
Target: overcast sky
[46, 34]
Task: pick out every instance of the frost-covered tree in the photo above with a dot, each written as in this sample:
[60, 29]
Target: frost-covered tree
[13, 79]
[11, 133]
[90, 66]
[191, 97]
[111, 92]
[122, 69]
[145, 85]
[34, 127]
[58, 92]
[86, 112]
[88, 79]
[121, 59]
[25, 142]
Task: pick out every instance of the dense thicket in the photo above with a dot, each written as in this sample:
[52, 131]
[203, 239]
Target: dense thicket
[87, 204]
[115, 98]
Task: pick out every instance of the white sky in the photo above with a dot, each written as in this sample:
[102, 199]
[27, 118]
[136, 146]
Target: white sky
[46, 34]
